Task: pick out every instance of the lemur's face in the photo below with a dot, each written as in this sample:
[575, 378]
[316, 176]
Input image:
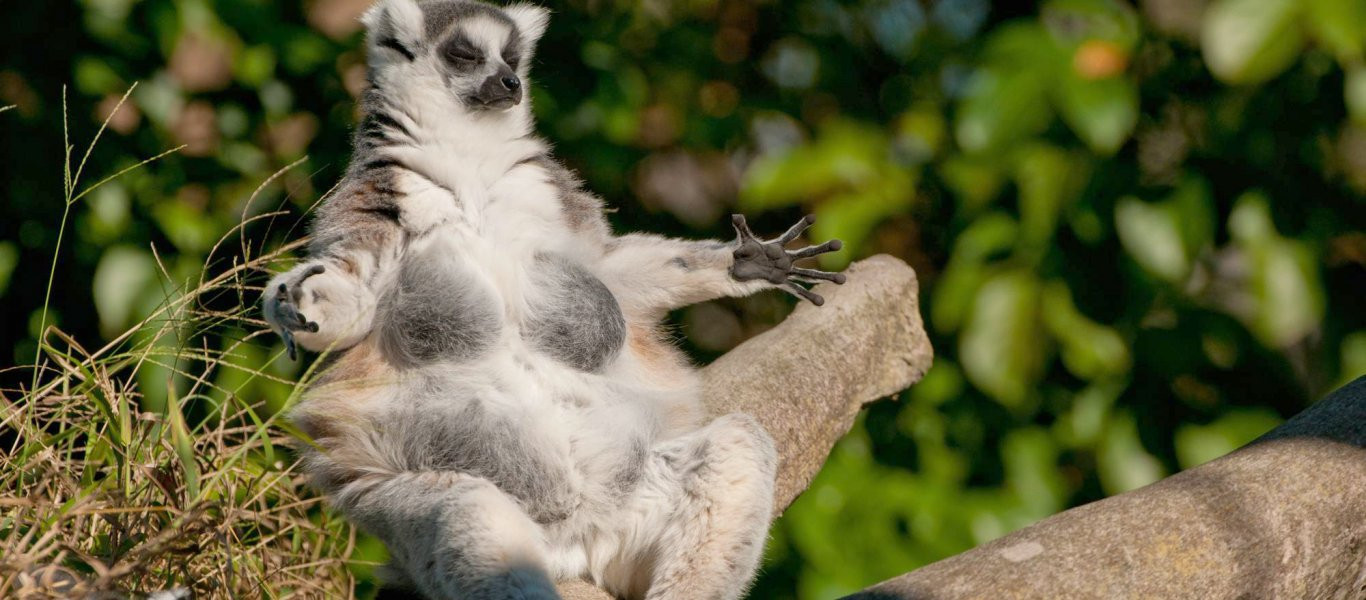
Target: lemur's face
[476, 52]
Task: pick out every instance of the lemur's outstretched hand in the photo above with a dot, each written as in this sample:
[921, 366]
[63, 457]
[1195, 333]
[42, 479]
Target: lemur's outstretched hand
[771, 261]
[283, 305]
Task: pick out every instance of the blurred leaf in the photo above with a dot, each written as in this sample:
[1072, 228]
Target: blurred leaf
[1340, 25]
[1199, 444]
[255, 65]
[9, 258]
[1030, 458]
[999, 345]
[843, 156]
[1048, 179]
[975, 182]
[1103, 112]
[1354, 93]
[1151, 234]
[186, 226]
[1193, 205]
[1072, 21]
[1089, 350]
[121, 277]
[1002, 107]
[1284, 275]
[991, 234]
[1083, 424]
[1353, 357]
[852, 217]
[1123, 463]
[1006, 99]
[1251, 41]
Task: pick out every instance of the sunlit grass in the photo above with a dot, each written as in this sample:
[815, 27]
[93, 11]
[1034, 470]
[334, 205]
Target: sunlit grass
[103, 493]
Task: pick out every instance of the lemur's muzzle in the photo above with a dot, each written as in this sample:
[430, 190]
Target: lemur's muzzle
[501, 90]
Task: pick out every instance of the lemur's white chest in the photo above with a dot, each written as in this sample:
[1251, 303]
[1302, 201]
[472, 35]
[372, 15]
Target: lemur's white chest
[493, 197]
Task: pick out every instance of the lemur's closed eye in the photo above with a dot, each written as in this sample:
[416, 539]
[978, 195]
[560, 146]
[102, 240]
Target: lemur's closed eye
[397, 46]
[504, 410]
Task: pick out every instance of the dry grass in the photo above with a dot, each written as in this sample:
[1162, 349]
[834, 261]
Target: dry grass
[105, 493]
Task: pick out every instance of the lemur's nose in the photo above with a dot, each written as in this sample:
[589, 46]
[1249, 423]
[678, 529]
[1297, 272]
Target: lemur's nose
[512, 83]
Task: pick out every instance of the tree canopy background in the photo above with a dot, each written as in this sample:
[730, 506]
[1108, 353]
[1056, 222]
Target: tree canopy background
[1139, 227]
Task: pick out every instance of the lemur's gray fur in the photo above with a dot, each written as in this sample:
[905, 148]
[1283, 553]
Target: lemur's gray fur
[502, 410]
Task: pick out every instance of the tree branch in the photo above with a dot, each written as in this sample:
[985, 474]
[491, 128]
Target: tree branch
[807, 378]
[1283, 517]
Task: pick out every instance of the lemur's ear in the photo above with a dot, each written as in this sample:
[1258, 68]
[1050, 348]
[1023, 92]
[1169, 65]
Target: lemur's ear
[531, 21]
[395, 27]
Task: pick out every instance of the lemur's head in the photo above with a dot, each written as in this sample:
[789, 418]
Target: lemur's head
[477, 53]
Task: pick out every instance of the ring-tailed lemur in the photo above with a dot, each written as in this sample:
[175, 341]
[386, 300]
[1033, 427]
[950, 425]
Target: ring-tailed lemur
[502, 411]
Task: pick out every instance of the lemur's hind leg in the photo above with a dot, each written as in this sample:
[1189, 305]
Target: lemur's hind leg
[456, 537]
[722, 477]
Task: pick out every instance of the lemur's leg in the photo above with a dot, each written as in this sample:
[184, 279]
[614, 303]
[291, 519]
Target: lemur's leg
[651, 275]
[721, 478]
[454, 536]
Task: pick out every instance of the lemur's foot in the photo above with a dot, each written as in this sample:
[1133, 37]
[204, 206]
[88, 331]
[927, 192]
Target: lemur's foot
[769, 260]
[286, 307]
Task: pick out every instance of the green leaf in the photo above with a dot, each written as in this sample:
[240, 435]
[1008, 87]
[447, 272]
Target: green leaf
[1002, 107]
[1089, 350]
[1049, 180]
[1353, 357]
[9, 259]
[1109, 20]
[991, 234]
[1151, 234]
[120, 278]
[183, 442]
[1000, 346]
[1103, 112]
[1251, 41]
[974, 181]
[1006, 99]
[1199, 444]
[1122, 462]
[1030, 459]
[1193, 205]
[852, 217]
[1340, 25]
[1285, 281]
[1354, 93]
[844, 156]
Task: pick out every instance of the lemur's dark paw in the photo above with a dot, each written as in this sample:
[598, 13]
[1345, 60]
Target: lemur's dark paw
[287, 313]
[770, 261]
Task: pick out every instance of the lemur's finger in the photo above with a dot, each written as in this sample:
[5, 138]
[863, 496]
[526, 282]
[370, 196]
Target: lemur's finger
[809, 251]
[290, 317]
[742, 227]
[297, 291]
[796, 230]
[803, 293]
[814, 274]
[290, 346]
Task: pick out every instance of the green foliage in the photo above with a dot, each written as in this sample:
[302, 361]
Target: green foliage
[1139, 226]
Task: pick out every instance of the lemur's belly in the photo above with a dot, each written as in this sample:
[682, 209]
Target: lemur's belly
[574, 317]
[442, 308]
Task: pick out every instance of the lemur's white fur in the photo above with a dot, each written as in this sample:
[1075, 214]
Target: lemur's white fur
[501, 411]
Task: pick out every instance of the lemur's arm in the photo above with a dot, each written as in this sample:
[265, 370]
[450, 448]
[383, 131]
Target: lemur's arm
[328, 301]
[652, 274]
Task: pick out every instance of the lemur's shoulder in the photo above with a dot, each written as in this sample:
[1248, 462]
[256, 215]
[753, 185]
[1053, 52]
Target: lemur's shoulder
[364, 206]
[583, 210]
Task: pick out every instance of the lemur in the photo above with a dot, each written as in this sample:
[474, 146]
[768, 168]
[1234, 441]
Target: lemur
[501, 408]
